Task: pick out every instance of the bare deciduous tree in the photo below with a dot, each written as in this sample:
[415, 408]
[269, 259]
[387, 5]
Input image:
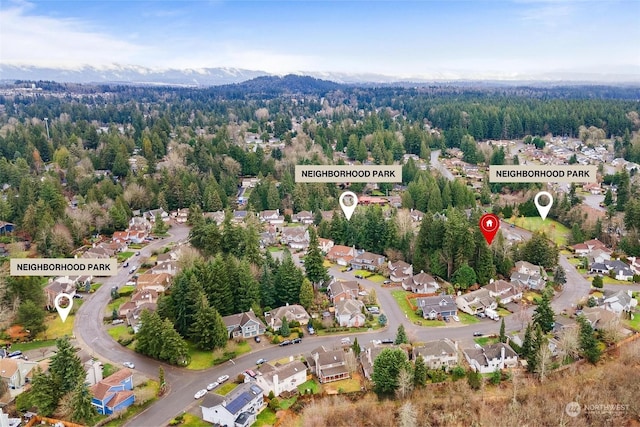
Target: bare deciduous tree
[407, 416]
[569, 342]
[405, 383]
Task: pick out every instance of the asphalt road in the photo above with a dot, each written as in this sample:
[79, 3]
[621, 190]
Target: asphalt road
[183, 383]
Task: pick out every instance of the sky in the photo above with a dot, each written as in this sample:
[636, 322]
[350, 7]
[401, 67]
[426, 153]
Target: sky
[452, 38]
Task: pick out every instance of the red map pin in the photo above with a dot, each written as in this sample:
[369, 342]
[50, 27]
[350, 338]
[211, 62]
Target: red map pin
[489, 225]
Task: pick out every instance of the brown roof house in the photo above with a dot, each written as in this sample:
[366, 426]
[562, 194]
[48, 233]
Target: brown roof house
[367, 261]
[399, 270]
[341, 255]
[293, 312]
[349, 313]
[329, 365]
[339, 290]
[157, 282]
[295, 237]
[421, 283]
[505, 291]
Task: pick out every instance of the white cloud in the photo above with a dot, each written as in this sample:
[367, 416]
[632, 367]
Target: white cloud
[30, 39]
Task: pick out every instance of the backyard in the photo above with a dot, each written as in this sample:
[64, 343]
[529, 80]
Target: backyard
[400, 297]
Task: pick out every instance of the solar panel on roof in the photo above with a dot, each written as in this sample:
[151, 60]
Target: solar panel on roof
[256, 390]
[239, 402]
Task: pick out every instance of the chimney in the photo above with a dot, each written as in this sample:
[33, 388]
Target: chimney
[502, 353]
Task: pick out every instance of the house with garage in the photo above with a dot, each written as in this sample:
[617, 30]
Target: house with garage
[475, 302]
[244, 325]
[438, 307]
[295, 237]
[585, 248]
[271, 217]
[529, 275]
[367, 261]
[292, 312]
[114, 393]
[421, 283]
[349, 313]
[506, 292]
[281, 378]
[369, 354]
[57, 286]
[492, 357]
[239, 408]
[325, 245]
[158, 282]
[341, 255]
[619, 301]
[438, 354]
[304, 217]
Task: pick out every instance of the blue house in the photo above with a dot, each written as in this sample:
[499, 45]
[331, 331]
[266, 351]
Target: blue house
[6, 227]
[113, 393]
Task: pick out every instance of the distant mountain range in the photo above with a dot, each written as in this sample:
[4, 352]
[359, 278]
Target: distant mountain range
[131, 74]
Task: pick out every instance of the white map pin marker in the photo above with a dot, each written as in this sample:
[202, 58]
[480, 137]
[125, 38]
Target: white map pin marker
[349, 205]
[63, 311]
[543, 210]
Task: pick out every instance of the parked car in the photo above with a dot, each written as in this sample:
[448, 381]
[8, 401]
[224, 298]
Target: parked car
[125, 264]
[456, 318]
[373, 310]
[359, 276]
[256, 339]
[117, 322]
[261, 361]
[14, 354]
[285, 342]
[212, 386]
[477, 334]
[387, 341]
[200, 393]
[129, 365]
[296, 340]
[223, 378]
[77, 296]
[311, 330]
[386, 282]
[137, 253]
[346, 340]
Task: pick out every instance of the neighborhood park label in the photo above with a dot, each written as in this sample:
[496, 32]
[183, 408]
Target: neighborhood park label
[348, 173]
[543, 173]
[63, 267]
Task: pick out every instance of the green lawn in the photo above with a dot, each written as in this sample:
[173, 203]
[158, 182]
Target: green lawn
[108, 369]
[327, 264]
[399, 296]
[226, 388]
[486, 340]
[467, 319]
[115, 304]
[33, 345]
[265, 418]
[313, 386]
[190, 420]
[363, 273]
[203, 359]
[120, 331]
[286, 403]
[555, 231]
[633, 324]
[348, 385]
[377, 278]
[122, 256]
[503, 312]
[56, 328]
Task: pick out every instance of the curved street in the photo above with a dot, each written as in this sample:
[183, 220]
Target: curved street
[183, 383]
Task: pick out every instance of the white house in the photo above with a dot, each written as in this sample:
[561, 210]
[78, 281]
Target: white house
[491, 357]
[476, 302]
[239, 408]
[619, 301]
[507, 292]
[438, 354]
[293, 312]
[278, 379]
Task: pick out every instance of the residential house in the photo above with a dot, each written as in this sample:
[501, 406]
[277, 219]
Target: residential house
[585, 248]
[59, 285]
[372, 200]
[158, 282]
[598, 256]
[505, 291]
[281, 378]
[421, 283]
[6, 227]
[491, 357]
[271, 217]
[268, 237]
[138, 223]
[244, 325]
[341, 255]
[239, 216]
[621, 270]
[93, 369]
[328, 365]
[528, 275]
[367, 261]
[250, 182]
[370, 353]
[619, 301]
[325, 245]
[133, 316]
[166, 257]
[349, 313]
[217, 216]
[181, 215]
[295, 237]
[15, 372]
[113, 393]
[6, 421]
[239, 408]
[599, 317]
[339, 290]
[166, 267]
[156, 214]
[416, 215]
[438, 354]
[304, 217]
[476, 302]
[293, 313]
[399, 270]
[439, 307]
